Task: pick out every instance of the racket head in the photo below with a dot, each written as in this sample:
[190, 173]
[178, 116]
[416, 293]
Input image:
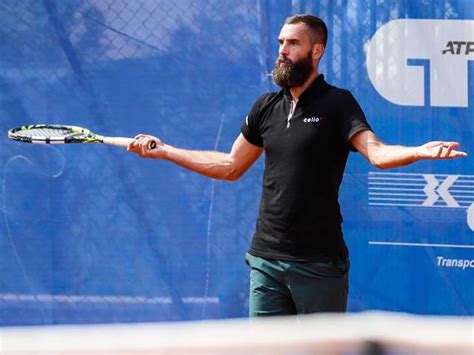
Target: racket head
[53, 134]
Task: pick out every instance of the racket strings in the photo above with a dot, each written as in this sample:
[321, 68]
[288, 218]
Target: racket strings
[45, 132]
[48, 132]
[54, 134]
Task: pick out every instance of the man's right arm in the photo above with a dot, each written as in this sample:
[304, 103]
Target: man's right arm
[217, 165]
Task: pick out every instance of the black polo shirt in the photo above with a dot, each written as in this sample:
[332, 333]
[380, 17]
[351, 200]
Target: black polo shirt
[299, 217]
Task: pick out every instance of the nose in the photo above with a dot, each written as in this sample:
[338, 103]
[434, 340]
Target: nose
[283, 50]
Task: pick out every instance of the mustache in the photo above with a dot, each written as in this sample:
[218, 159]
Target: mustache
[281, 59]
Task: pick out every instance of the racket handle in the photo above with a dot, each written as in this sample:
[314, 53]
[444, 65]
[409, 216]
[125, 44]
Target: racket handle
[118, 141]
[123, 142]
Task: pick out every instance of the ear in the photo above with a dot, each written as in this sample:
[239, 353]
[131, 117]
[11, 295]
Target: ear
[318, 51]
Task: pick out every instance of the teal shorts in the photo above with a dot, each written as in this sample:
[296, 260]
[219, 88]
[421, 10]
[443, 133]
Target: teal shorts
[296, 287]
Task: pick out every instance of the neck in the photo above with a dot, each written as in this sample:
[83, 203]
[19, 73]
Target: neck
[296, 91]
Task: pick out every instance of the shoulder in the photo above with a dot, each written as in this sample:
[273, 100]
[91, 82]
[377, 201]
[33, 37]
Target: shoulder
[341, 100]
[269, 98]
[266, 101]
[339, 94]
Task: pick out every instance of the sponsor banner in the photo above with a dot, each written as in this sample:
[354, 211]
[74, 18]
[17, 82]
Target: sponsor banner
[423, 191]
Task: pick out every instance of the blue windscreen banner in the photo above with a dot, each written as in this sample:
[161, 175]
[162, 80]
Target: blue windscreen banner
[94, 234]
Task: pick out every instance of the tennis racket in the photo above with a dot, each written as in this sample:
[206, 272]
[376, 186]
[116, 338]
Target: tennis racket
[60, 134]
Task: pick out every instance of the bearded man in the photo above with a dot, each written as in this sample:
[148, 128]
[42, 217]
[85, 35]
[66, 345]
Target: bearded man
[298, 259]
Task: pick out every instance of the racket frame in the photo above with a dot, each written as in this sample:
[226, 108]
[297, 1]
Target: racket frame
[76, 135]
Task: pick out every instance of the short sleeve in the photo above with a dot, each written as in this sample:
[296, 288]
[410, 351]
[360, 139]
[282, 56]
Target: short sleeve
[251, 126]
[352, 116]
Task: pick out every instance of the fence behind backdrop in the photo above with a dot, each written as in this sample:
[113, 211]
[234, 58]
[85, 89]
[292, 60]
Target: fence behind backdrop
[94, 234]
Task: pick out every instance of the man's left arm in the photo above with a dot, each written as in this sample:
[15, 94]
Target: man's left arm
[385, 156]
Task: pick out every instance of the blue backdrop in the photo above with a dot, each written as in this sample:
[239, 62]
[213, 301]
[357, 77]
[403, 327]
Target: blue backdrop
[94, 234]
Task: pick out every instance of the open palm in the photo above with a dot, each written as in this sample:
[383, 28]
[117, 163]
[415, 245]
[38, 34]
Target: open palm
[440, 150]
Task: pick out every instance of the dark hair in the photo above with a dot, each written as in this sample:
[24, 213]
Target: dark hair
[318, 28]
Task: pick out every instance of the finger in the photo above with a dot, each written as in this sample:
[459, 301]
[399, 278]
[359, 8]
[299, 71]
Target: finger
[450, 144]
[138, 136]
[131, 146]
[458, 154]
[139, 143]
[141, 139]
[449, 149]
[134, 144]
[146, 143]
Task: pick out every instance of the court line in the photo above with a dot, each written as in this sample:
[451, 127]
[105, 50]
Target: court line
[105, 299]
[461, 246]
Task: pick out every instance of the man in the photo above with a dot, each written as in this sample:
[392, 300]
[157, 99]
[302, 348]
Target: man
[299, 261]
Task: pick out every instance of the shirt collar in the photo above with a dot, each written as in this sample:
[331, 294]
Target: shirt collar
[315, 89]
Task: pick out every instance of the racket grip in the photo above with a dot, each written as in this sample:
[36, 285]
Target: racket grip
[152, 145]
[118, 141]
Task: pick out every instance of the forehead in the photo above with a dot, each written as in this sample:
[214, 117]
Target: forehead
[294, 31]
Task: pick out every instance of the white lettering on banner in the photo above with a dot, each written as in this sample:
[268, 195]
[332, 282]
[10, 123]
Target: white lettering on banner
[448, 45]
[423, 190]
[455, 263]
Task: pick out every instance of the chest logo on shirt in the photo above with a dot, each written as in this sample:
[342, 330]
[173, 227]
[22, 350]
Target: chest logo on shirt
[312, 119]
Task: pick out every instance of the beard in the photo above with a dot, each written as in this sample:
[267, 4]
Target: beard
[288, 74]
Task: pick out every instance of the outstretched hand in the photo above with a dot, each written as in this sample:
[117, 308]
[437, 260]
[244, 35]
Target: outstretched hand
[440, 150]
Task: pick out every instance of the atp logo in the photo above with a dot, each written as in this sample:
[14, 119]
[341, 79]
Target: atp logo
[423, 190]
[456, 48]
[405, 55]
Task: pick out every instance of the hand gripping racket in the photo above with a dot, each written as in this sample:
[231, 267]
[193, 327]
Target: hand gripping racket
[60, 134]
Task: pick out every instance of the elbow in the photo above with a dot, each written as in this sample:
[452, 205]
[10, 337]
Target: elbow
[233, 172]
[379, 163]
[376, 155]
[233, 175]
[226, 174]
